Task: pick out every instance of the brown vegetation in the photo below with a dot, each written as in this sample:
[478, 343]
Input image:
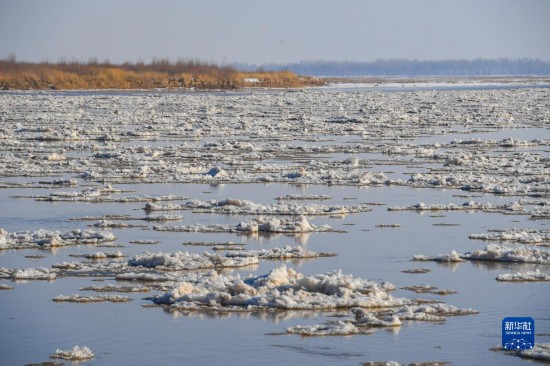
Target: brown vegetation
[160, 73]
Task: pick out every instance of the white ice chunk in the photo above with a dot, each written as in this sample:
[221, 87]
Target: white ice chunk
[75, 354]
[536, 275]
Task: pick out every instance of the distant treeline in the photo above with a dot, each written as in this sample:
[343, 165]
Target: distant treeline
[160, 73]
[404, 67]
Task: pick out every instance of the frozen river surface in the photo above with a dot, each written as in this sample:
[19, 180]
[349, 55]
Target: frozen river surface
[311, 205]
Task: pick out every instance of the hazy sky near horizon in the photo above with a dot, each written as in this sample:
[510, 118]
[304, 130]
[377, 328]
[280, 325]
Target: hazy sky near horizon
[279, 31]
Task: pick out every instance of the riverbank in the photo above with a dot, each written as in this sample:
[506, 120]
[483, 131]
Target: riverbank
[158, 74]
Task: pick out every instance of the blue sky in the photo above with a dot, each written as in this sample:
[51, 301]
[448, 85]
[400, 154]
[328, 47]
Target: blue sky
[281, 31]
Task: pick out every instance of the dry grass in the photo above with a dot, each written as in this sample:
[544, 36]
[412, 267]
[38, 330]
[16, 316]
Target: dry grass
[158, 74]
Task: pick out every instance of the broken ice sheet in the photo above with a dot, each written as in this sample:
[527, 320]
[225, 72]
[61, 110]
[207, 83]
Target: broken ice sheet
[540, 351]
[281, 288]
[75, 354]
[260, 224]
[427, 289]
[115, 288]
[186, 261]
[524, 236]
[495, 253]
[529, 276]
[286, 252]
[99, 255]
[452, 257]
[302, 197]
[149, 266]
[245, 207]
[365, 320]
[508, 208]
[144, 242]
[39, 273]
[50, 239]
[88, 299]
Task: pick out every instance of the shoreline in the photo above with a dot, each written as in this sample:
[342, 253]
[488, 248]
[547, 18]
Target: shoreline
[501, 79]
[158, 75]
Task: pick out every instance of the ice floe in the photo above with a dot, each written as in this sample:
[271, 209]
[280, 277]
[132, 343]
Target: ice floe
[451, 257]
[540, 351]
[526, 236]
[528, 276]
[233, 206]
[281, 288]
[186, 261]
[153, 265]
[337, 328]
[48, 239]
[87, 299]
[99, 255]
[144, 242]
[303, 197]
[427, 289]
[364, 320]
[75, 354]
[286, 252]
[39, 273]
[115, 288]
[260, 224]
[495, 253]
[103, 147]
[76, 143]
[103, 194]
[512, 207]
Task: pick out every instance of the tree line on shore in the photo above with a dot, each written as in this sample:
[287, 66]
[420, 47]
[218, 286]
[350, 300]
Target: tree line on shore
[406, 67]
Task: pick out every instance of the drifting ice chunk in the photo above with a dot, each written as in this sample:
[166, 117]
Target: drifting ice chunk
[499, 253]
[75, 354]
[299, 225]
[363, 320]
[541, 351]
[339, 328]
[101, 255]
[273, 225]
[186, 261]
[280, 253]
[298, 197]
[431, 312]
[513, 207]
[234, 206]
[525, 236]
[47, 239]
[40, 273]
[452, 257]
[114, 288]
[524, 276]
[494, 253]
[85, 299]
[282, 288]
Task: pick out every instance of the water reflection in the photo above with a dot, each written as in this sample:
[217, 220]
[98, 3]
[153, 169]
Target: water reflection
[273, 315]
[510, 266]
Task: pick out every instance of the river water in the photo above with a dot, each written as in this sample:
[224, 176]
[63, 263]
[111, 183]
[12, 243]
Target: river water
[33, 326]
